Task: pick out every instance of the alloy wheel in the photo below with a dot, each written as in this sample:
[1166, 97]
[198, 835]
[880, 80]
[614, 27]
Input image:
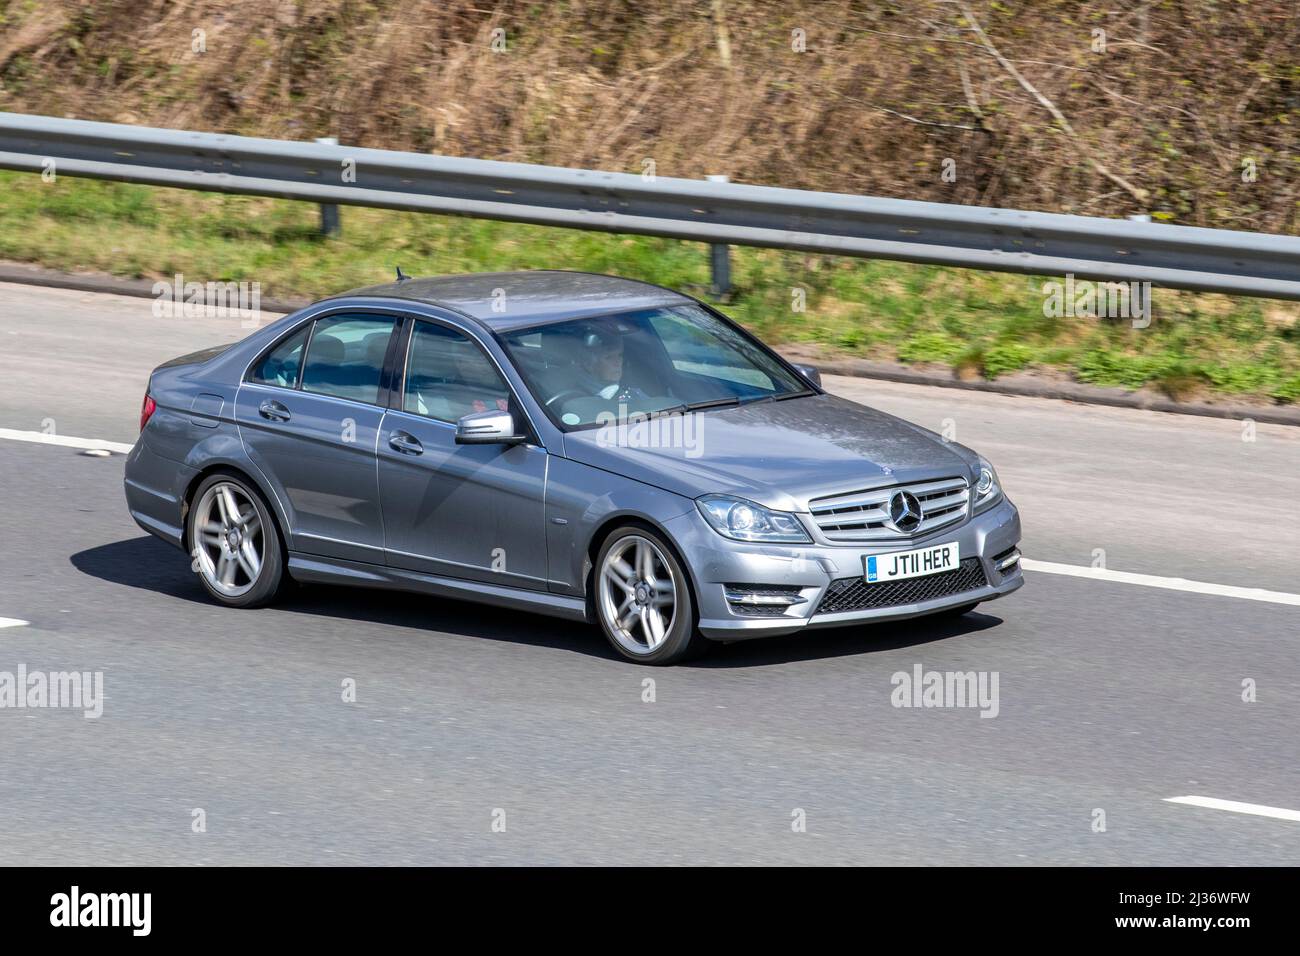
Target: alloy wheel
[637, 596]
[229, 545]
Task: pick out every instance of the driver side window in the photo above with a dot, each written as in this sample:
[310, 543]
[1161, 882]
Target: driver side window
[448, 376]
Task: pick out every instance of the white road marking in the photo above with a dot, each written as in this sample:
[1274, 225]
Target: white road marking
[12, 622]
[1233, 806]
[41, 438]
[1171, 584]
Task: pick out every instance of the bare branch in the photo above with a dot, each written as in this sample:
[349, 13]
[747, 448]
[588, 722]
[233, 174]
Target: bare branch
[724, 38]
[921, 122]
[1139, 194]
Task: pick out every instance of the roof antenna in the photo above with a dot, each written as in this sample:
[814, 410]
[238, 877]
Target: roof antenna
[401, 276]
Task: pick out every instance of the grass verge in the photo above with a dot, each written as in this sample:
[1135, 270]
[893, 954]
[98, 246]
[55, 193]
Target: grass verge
[979, 324]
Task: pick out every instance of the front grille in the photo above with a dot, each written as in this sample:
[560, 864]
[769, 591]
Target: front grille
[855, 594]
[864, 515]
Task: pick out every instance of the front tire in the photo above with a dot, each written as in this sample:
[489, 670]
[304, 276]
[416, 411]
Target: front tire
[234, 542]
[643, 599]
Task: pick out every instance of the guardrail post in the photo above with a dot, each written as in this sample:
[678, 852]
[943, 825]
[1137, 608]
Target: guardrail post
[330, 224]
[719, 259]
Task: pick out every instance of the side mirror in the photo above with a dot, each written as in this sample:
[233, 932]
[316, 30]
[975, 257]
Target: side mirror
[810, 372]
[488, 428]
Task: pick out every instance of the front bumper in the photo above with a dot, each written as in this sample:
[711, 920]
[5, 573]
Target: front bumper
[807, 572]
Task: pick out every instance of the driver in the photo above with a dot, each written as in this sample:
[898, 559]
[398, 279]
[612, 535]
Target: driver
[604, 365]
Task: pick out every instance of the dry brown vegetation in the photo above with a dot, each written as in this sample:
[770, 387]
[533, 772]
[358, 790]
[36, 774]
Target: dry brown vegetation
[1014, 92]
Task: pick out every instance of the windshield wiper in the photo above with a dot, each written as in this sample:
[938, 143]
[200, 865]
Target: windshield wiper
[696, 406]
[713, 403]
[779, 398]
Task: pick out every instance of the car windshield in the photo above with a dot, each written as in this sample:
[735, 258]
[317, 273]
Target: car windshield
[595, 370]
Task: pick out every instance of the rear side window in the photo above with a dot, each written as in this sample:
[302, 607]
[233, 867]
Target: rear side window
[346, 357]
[282, 365]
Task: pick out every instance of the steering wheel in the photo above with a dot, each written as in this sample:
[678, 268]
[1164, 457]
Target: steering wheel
[565, 393]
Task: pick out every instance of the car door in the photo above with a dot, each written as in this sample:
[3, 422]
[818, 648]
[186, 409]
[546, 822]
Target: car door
[466, 511]
[311, 424]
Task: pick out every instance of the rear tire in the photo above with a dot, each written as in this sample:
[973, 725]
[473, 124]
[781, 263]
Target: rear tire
[234, 543]
[643, 600]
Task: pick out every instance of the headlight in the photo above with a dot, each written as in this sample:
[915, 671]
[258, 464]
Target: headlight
[747, 521]
[988, 488]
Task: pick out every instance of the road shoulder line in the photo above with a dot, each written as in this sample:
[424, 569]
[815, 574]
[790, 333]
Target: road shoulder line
[1234, 806]
[1155, 581]
[66, 441]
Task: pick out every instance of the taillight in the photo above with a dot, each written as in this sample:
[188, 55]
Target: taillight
[147, 410]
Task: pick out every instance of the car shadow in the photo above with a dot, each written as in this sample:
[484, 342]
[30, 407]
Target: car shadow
[144, 562]
[152, 565]
[823, 643]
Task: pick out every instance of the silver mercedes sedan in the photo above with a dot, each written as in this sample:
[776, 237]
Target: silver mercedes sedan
[579, 445]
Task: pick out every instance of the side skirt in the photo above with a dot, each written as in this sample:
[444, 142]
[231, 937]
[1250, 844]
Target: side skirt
[311, 569]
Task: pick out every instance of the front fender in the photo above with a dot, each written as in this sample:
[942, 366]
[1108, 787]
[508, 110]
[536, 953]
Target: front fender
[581, 501]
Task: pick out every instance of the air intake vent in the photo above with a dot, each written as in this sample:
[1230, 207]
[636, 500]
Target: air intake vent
[762, 600]
[854, 594]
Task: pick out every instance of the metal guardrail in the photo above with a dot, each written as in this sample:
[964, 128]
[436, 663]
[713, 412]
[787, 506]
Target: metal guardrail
[975, 237]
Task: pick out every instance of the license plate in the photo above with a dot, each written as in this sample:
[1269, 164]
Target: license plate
[898, 565]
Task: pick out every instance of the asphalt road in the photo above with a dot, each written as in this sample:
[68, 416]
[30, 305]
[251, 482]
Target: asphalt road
[1112, 696]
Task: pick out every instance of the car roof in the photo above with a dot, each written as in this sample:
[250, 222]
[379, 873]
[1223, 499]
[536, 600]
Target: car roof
[511, 300]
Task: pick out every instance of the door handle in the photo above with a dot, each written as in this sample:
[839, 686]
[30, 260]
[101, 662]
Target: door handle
[273, 411]
[406, 444]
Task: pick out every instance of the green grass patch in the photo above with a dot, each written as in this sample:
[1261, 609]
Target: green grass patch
[990, 323]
